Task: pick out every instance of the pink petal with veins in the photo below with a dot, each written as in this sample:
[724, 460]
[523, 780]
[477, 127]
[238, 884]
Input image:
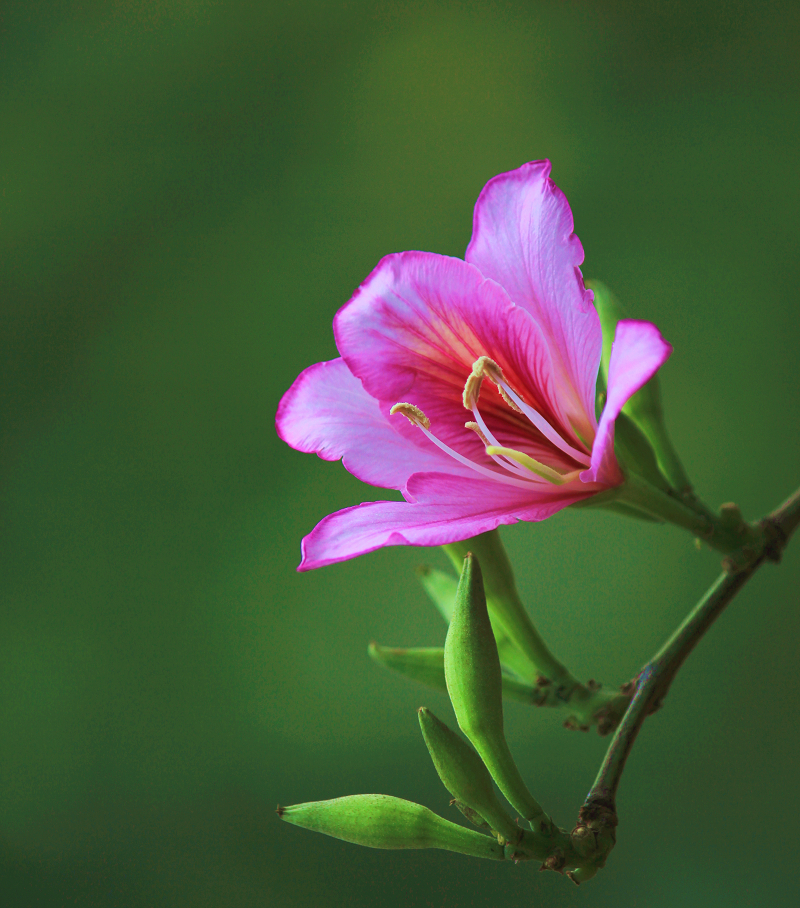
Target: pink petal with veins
[328, 412]
[418, 323]
[445, 509]
[522, 237]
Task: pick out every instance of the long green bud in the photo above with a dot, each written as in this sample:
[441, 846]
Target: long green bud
[381, 821]
[507, 611]
[472, 670]
[441, 587]
[463, 774]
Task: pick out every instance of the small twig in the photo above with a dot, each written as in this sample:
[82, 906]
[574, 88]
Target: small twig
[654, 680]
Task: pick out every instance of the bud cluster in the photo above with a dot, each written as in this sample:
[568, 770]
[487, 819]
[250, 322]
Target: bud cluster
[470, 666]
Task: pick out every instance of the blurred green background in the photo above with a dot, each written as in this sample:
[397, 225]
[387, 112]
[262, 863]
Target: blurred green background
[190, 190]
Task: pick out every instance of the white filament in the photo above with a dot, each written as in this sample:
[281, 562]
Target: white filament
[544, 426]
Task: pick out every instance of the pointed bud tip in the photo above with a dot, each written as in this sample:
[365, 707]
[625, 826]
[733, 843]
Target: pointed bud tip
[280, 811]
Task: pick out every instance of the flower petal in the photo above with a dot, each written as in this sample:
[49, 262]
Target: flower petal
[637, 353]
[416, 326]
[522, 237]
[328, 412]
[445, 509]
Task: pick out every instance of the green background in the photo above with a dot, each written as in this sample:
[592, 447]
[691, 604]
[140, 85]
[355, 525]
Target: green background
[189, 192]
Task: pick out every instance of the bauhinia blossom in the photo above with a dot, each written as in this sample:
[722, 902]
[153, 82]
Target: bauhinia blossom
[469, 386]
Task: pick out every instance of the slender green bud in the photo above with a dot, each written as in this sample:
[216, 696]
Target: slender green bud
[472, 670]
[441, 587]
[610, 312]
[463, 774]
[423, 664]
[643, 407]
[507, 612]
[381, 821]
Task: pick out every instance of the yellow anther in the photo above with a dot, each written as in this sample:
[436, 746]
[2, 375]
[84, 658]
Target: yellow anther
[472, 391]
[413, 414]
[486, 367]
[477, 430]
[507, 399]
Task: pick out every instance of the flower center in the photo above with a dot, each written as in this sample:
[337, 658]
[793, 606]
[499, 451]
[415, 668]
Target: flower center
[518, 468]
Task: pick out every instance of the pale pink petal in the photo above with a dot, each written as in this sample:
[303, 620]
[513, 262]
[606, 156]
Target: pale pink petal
[445, 509]
[522, 237]
[637, 353]
[418, 323]
[328, 412]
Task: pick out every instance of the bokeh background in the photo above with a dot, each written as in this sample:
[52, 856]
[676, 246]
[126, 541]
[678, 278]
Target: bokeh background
[190, 190]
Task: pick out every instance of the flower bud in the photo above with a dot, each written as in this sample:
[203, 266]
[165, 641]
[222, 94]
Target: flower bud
[521, 648]
[610, 312]
[441, 587]
[381, 821]
[472, 670]
[423, 664]
[464, 775]
[472, 815]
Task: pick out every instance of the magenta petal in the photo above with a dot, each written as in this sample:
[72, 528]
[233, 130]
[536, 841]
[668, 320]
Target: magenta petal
[637, 353]
[418, 323]
[328, 412]
[523, 238]
[445, 509]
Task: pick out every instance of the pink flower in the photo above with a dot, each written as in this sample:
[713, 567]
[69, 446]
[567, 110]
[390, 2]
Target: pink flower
[511, 335]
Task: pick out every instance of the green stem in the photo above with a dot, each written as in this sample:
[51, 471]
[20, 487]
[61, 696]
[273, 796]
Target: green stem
[725, 536]
[654, 680]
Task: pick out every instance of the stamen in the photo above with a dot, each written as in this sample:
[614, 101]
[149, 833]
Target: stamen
[472, 390]
[413, 414]
[477, 430]
[491, 440]
[484, 366]
[421, 421]
[534, 466]
[546, 429]
[504, 462]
